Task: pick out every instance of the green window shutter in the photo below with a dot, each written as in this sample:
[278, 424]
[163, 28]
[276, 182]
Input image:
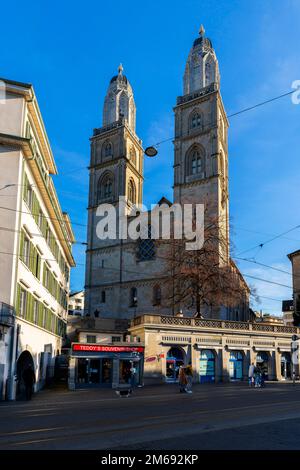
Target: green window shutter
[38, 266]
[18, 299]
[21, 245]
[28, 302]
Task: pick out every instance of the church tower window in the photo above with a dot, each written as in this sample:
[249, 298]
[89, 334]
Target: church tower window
[196, 120]
[195, 162]
[146, 247]
[156, 295]
[133, 297]
[107, 150]
[132, 156]
[105, 187]
[131, 193]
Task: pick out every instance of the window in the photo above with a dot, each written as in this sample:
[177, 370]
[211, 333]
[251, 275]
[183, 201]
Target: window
[105, 187]
[107, 149]
[115, 339]
[90, 338]
[103, 297]
[146, 247]
[131, 192]
[132, 156]
[156, 295]
[29, 196]
[26, 251]
[133, 297]
[23, 303]
[196, 120]
[195, 162]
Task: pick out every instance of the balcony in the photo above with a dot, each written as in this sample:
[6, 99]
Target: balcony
[7, 315]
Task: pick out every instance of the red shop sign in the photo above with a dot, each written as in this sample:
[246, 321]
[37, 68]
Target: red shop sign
[96, 348]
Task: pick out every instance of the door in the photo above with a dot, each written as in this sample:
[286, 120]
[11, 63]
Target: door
[236, 365]
[207, 366]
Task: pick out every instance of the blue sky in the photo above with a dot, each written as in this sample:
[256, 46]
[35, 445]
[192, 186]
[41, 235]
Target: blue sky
[70, 50]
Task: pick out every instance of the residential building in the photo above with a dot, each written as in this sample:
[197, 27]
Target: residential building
[35, 243]
[76, 303]
[288, 312]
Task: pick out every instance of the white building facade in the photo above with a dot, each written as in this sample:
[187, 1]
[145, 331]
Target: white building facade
[35, 243]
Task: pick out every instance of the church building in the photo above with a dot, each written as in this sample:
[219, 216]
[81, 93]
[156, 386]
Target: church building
[126, 278]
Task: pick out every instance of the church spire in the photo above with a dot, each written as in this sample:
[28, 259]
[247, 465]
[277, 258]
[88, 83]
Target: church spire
[202, 65]
[201, 31]
[119, 101]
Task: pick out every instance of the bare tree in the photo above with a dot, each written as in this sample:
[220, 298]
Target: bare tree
[202, 281]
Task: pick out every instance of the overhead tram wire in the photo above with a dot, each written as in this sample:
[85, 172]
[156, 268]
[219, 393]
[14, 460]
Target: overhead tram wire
[266, 266]
[6, 229]
[261, 245]
[266, 280]
[236, 113]
[143, 272]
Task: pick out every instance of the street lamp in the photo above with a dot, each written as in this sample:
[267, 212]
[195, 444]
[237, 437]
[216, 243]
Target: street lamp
[151, 151]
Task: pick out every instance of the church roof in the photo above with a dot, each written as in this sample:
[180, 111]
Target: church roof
[123, 78]
[164, 200]
[202, 40]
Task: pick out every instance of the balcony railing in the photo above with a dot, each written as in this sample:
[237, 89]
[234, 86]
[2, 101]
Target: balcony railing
[211, 323]
[7, 314]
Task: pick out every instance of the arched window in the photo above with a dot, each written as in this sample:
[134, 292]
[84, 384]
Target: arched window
[196, 120]
[131, 195]
[195, 162]
[107, 149]
[133, 297]
[132, 156]
[105, 187]
[146, 247]
[156, 295]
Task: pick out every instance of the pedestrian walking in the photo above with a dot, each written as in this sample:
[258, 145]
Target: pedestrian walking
[257, 377]
[189, 377]
[182, 380]
[251, 374]
[29, 380]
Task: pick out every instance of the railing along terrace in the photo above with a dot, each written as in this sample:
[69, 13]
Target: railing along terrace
[212, 323]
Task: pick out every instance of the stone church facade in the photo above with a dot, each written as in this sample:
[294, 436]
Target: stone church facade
[127, 278]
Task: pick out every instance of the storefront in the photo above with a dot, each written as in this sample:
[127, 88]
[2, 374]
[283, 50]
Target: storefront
[236, 365]
[95, 365]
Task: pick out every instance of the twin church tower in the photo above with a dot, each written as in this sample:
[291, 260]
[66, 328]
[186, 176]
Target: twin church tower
[125, 278]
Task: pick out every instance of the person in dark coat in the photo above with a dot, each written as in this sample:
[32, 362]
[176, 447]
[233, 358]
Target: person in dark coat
[29, 379]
